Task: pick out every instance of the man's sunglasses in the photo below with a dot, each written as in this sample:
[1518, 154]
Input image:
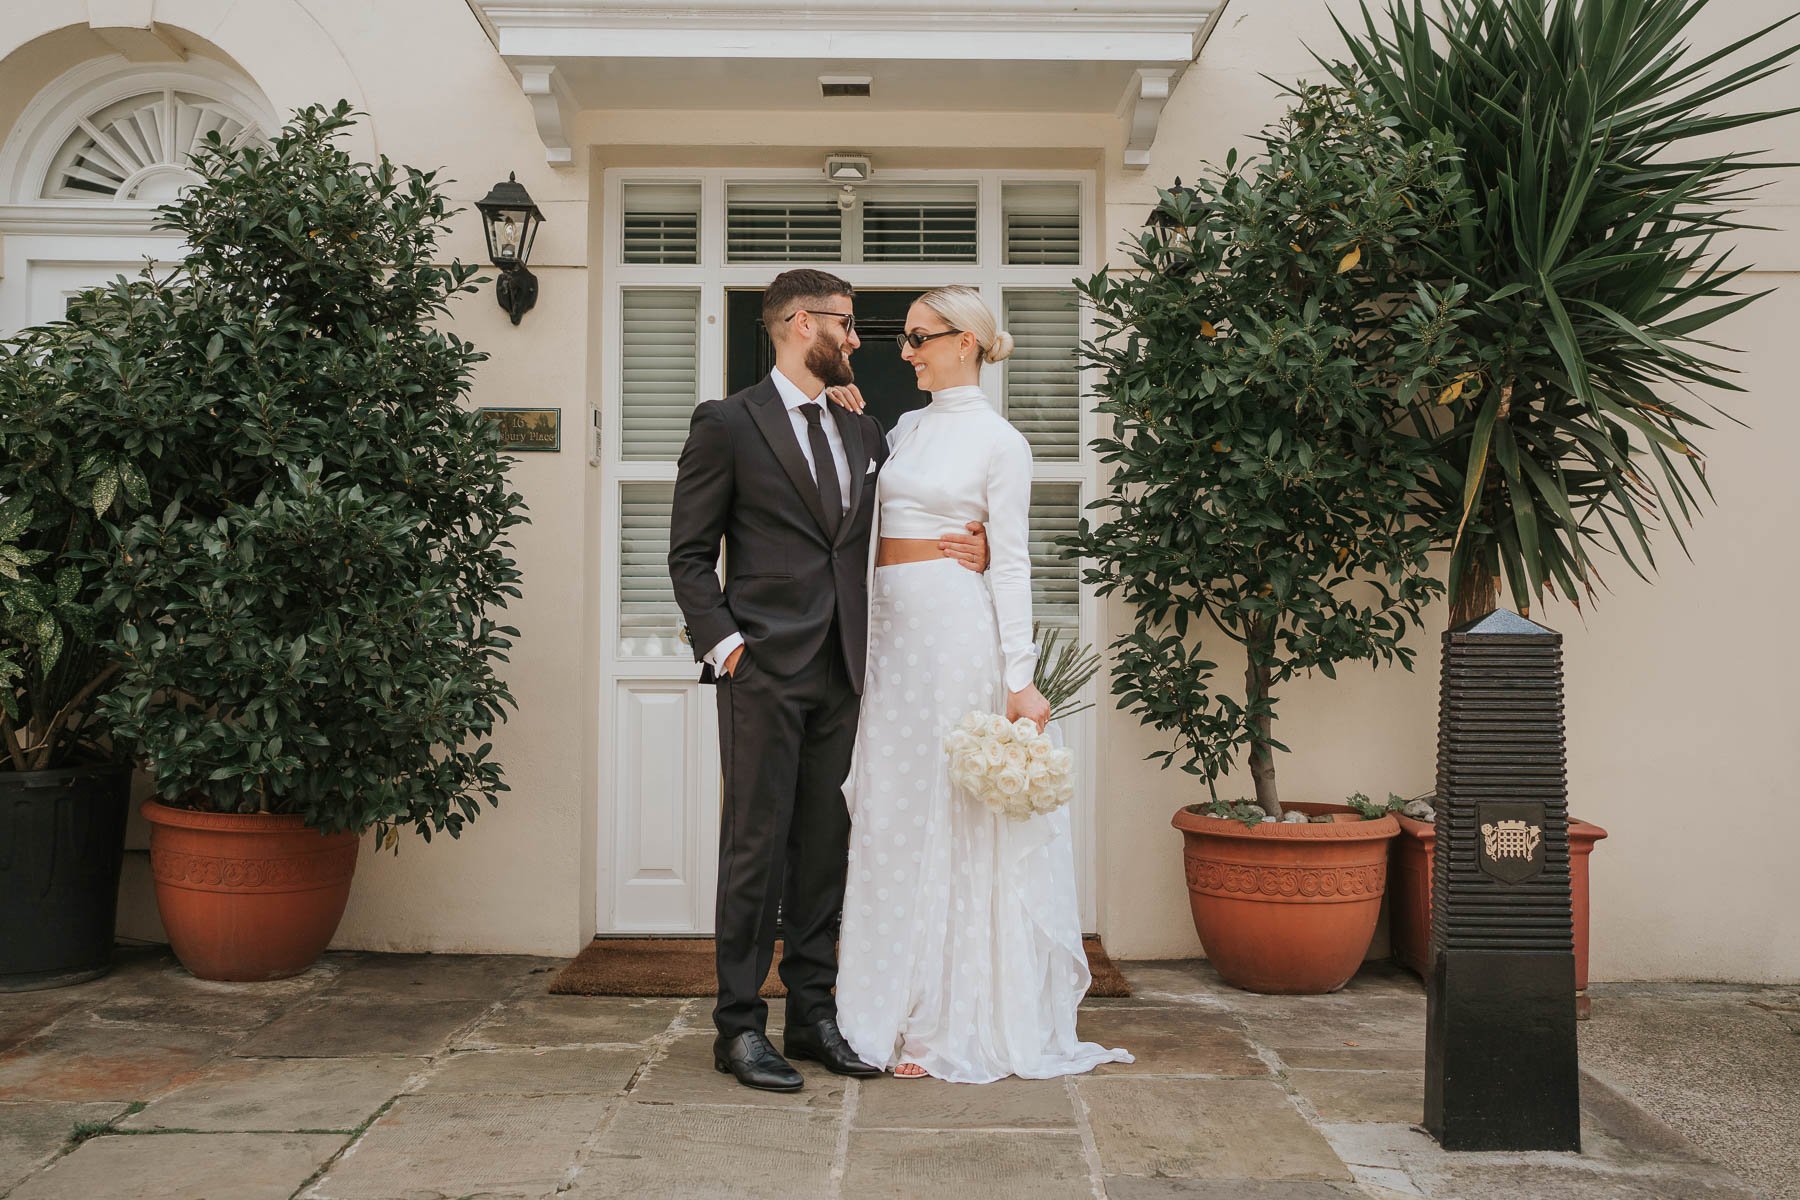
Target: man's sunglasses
[849, 319]
[915, 340]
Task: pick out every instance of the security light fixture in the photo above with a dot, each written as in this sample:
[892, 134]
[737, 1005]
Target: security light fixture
[848, 168]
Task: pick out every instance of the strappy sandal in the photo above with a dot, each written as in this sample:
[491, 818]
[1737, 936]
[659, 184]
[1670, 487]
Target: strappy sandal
[911, 1071]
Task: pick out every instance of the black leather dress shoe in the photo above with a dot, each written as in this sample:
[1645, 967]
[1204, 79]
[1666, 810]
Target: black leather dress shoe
[821, 1042]
[752, 1058]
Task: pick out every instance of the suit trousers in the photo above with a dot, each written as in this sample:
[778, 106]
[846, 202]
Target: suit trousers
[784, 834]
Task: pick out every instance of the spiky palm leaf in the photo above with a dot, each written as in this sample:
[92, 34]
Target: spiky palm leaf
[1596, 195]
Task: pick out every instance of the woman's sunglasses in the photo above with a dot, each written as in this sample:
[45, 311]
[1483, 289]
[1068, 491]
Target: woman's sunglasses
[915, 340]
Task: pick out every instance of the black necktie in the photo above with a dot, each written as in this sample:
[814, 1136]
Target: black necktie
[831, 493]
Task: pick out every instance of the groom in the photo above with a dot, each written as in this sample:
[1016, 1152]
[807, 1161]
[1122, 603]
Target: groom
[787, 481]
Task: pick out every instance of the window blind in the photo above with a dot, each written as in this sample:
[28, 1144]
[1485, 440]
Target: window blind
[662, 223]
[660, 369]
[769, 224]
[648, 616]
[1040, 223]
[1041, 385]
[901, 230]
[1055, 580]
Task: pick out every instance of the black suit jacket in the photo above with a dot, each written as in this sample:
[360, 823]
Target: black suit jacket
[742, 478]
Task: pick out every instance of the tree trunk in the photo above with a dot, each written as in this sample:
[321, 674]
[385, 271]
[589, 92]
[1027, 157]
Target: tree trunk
[1477, 592]
[1262, 762]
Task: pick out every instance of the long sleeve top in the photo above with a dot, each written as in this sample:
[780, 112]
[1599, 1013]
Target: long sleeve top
[958, 460]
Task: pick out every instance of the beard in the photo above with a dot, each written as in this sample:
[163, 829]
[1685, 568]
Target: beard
[829, 364]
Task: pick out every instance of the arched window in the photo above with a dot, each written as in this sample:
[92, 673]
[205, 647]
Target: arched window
[116, 133]
[138, 148]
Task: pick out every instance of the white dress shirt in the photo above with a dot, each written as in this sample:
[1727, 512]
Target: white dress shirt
[793, 398]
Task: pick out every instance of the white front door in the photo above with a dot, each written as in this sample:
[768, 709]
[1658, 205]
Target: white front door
[678, 246]
[38, 275]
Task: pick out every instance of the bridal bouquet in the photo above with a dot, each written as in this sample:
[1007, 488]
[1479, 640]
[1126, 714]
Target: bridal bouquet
[1009, 766]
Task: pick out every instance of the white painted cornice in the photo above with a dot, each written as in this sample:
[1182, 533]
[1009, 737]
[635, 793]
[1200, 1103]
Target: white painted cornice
[551, 43]
[1007, 30]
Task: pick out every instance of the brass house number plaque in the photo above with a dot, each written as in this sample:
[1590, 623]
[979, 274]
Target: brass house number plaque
[527, 429]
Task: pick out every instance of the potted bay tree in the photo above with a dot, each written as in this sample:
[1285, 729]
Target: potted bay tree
[1596, 187]
[305, 605]
[1256, 364]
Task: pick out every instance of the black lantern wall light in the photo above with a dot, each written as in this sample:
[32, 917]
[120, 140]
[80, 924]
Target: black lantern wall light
[510, 220]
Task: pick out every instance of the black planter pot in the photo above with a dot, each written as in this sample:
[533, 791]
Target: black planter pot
[62, 837]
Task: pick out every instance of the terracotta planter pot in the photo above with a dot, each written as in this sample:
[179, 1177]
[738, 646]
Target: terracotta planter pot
[1286, 909]
[1409, 908]
[247, 896]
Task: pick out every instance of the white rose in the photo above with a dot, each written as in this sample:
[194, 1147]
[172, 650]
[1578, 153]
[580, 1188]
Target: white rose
[1024, 730]
[994, 753]
[1040, 748]
[1037, 770]
[1016, 756]
[1010, 781]
[1062, 761]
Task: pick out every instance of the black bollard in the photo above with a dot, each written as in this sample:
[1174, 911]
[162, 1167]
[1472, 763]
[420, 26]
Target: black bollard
[1500, 1057]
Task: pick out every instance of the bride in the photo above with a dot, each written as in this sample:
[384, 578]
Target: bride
[960, 952]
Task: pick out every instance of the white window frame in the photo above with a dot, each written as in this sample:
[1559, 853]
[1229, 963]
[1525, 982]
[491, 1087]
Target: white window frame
[713, 277]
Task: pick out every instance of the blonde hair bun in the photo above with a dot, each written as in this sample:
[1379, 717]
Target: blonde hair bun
[963, 308]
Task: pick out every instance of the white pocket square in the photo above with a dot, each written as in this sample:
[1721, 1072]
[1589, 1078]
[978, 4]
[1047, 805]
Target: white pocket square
[871, 469]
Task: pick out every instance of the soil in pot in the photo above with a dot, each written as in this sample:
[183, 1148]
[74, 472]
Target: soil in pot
[1284, 908]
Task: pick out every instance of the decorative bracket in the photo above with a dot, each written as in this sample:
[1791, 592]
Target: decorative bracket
[1143, 109]
[552, 106]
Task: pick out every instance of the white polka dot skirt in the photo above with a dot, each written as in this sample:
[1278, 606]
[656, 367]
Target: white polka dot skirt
[961, 942]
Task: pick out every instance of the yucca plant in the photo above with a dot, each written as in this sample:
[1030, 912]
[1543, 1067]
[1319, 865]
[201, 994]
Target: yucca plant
[1595, 190]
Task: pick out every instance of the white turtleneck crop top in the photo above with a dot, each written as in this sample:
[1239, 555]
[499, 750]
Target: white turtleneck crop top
[958, 460]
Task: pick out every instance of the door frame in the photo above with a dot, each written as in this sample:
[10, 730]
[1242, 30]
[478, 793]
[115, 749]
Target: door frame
[673, 679]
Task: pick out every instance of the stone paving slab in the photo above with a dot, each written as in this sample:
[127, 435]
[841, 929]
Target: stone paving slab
[1720, 1064]
[1131, 1187]
[431, 1147]
[1172, 1040]
[534, 1020]
[24, 1015]
[581, 1071]
[295, 1095]
[890, 1103]
[1390, 1096]
[1204, 1128]
[79, 1058]
[683, 1073]
[699, 1152]
[441, 976]
[31, 1134]
[348, 1026]
[1567, 1177]
[910, 1165]
[184, 1166]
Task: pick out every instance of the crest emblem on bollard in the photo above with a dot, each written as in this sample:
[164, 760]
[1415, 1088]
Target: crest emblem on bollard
[1511, 842]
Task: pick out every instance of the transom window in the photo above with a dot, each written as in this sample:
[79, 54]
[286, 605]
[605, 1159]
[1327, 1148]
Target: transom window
[138, 148]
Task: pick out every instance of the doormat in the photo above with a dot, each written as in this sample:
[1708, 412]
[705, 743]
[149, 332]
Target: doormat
[684, 967]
